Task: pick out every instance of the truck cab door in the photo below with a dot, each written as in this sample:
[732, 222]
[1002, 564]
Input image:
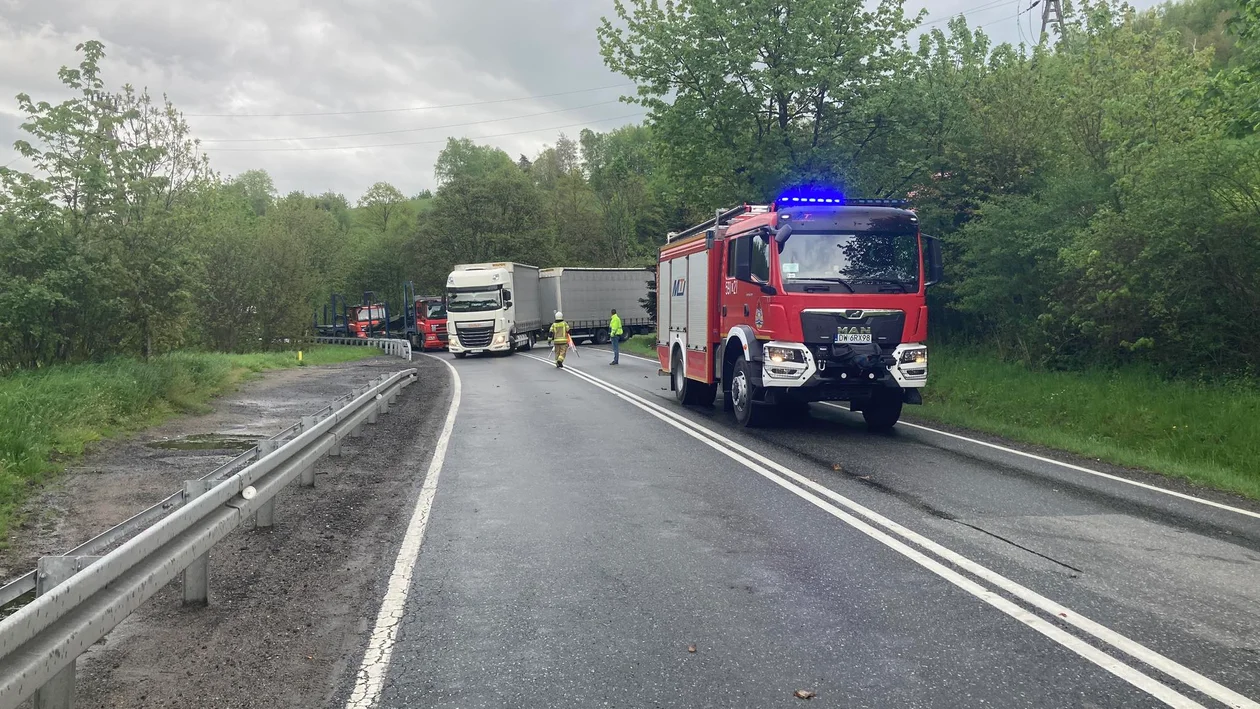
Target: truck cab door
[747, 270]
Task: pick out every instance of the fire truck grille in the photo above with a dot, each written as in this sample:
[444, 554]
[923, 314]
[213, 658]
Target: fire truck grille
[821, 327]
[475, 337]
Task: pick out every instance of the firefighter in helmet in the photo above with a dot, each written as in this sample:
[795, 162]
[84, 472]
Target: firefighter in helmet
[559, 336]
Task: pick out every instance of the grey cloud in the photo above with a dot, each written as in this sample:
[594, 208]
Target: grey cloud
[274, 56]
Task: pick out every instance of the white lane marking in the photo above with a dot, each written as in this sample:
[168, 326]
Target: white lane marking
[1077, 468]
[1120, 642]
[371, 675]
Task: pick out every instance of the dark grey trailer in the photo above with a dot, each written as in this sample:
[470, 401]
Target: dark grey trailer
[587, 296]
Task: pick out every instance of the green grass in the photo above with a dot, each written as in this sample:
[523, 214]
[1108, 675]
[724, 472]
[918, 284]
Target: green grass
[1208, 434]
[48, 416]
[642, 345]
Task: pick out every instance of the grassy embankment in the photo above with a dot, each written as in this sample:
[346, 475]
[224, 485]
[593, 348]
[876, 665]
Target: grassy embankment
[48, 416]
[1208, 434]
[642, 345]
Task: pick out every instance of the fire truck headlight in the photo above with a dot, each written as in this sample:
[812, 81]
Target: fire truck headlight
[914, 355]
[779, 355]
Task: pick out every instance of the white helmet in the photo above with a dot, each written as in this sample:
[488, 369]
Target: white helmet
[559, 315]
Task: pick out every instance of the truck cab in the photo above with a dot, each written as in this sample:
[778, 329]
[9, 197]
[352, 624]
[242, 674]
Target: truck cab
[492, 307]
[808, 299]
[365, 320]
[430, 323]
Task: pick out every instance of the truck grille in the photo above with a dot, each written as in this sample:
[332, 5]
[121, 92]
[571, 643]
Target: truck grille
[820, 327]
[475, 337]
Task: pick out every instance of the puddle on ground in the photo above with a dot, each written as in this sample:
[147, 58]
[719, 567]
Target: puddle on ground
[207, 442]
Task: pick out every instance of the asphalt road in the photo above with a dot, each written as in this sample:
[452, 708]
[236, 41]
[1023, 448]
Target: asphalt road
[587, 533]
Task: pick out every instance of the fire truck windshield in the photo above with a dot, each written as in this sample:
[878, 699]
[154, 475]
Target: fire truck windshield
[471, 301]
[851, 258]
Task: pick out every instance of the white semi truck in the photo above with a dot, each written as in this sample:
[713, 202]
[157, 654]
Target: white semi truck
[493, 307]
[588, 295]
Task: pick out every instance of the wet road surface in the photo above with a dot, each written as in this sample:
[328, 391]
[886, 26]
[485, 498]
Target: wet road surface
[587, 533]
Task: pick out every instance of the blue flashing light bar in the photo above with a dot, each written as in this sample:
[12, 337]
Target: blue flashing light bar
[812, 195]
[795, 201]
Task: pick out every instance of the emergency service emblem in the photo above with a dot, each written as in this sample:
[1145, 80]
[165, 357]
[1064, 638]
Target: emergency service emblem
[758, 320]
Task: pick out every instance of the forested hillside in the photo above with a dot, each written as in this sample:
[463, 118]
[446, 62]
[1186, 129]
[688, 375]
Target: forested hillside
[1097, 193]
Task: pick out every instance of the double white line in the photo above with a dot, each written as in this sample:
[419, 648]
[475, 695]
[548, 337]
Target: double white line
[935, 557]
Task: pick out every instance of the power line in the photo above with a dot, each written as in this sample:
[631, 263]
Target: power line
[420, 142]
[400, 110]
[406, 130]
[981, 8]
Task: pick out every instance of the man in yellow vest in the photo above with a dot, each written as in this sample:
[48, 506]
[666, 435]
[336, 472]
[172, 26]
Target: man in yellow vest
[614, 329]
[559, 336]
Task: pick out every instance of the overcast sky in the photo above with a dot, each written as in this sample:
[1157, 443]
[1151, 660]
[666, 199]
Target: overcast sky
[366, 56]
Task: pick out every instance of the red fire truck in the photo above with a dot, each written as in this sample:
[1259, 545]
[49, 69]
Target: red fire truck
[812, 298]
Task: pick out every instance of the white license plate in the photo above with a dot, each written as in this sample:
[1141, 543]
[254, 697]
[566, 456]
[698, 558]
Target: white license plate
[854, 339]
[480, 351]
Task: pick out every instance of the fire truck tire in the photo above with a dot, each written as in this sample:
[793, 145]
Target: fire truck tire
[882, 411]
[743, 393]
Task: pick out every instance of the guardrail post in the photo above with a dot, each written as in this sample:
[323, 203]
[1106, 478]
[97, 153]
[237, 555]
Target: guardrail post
[52, 571]
[197, 575]
[335, 451]
[308, 473]
[265, 515]
[357, 430]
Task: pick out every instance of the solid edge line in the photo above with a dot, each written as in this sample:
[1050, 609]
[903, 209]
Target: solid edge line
[1131, 647]
[1070, 466]
[371, 675]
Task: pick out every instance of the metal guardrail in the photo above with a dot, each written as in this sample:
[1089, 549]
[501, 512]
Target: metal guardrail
[398, 348]
[85, 593]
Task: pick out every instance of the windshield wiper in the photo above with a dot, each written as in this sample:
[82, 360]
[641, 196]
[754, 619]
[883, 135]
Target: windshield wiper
[888, 281]
[822, 279]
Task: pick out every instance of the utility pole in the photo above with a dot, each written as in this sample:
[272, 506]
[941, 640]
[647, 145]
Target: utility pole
[1051, 12]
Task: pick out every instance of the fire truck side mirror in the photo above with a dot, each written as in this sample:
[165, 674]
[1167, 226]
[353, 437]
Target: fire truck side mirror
[781, 236]
[932, 262]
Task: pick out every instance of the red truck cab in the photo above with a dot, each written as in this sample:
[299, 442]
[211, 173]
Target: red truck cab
[813, 298]
[430, 323]
[365, 320]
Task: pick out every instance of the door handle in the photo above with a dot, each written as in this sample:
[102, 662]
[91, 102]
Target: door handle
[723, 311]
[745, 309]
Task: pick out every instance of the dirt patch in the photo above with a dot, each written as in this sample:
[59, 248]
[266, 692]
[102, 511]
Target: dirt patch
[290, 607]
[119, 478]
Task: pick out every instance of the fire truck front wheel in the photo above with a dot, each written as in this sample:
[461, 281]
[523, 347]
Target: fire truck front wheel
[883, 410]
[743, 395]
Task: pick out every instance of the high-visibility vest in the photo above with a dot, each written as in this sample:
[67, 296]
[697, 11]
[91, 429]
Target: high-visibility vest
[560, 330]
[614, 327]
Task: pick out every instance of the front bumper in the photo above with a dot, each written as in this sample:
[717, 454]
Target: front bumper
[843, 382]
[497, 342]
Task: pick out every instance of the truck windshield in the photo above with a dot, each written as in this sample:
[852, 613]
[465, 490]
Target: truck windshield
[471, 301]
[870, 259]
[366, 314]
[435, 311]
